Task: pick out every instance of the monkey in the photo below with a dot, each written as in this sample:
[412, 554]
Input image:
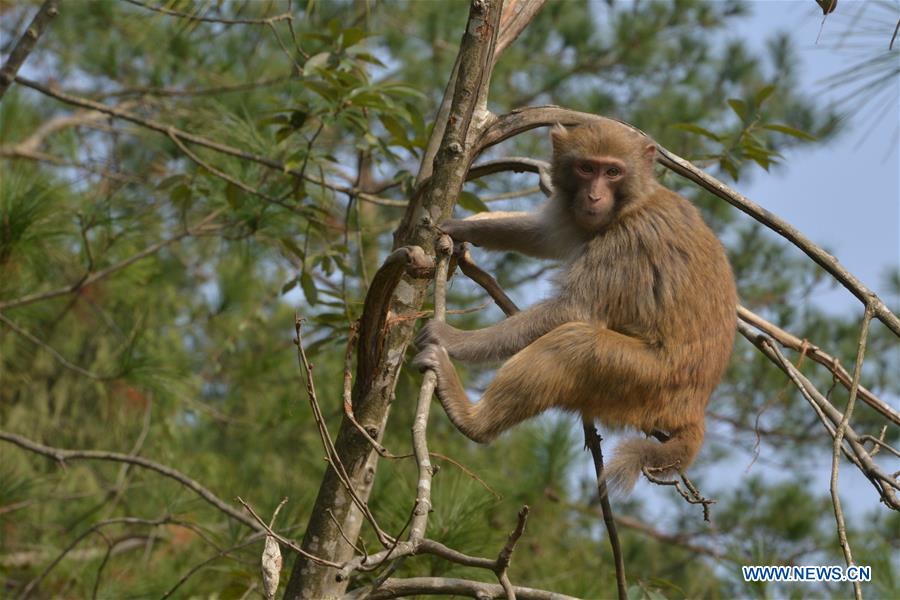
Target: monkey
[641, 325]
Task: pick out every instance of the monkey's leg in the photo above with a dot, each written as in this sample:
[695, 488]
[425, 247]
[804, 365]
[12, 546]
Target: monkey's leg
[566, 368]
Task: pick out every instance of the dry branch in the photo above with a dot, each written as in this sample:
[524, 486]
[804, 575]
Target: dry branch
[446, 586]
[61, 456]
[48, 10]
[592, 442]
[192, 138]
[831, 417]
[90, 278]
[420, 423]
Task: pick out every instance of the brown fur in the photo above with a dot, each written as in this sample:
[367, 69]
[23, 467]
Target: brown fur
[640, 330]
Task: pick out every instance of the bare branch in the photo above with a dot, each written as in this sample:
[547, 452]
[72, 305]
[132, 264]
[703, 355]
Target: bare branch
[444, 247]
[817, 354]
[516, 164]
[592, 441]
[194, 17]
[505, 556]
[53, 352]
[168, 130]
[61, 455]
[830, 416]
[332, 456]
[446, 586]
[91, 278]
[838, 440]
[691, 496]
[26, 43]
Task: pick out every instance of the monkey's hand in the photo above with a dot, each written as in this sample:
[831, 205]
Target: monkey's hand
[441, 334]
[455, 228]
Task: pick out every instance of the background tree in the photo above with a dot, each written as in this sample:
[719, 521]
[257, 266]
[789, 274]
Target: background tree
[178, 180]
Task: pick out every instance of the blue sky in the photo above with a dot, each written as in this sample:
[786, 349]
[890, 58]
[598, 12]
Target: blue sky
[845, 194]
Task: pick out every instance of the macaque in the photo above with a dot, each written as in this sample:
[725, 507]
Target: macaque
[640, 329]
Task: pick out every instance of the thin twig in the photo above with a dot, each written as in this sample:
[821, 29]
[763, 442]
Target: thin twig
[181, 15]
[53, 352]
[691, 496]
[838, 439]
[444, 248]
[61, 456]
[831, 363]
[91, 278]
[201, 141]
[505, 555]
[331, 452]
[830, 416]
[260, 523]
[592, 442]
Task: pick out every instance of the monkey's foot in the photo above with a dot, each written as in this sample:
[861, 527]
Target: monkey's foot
[430, 357]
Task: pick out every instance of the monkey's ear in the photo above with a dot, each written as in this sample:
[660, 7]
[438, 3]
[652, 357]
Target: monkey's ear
[558, 136]
[649, 154]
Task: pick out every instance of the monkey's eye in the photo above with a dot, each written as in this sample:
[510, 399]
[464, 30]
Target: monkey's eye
[586, 168]
[613, 172]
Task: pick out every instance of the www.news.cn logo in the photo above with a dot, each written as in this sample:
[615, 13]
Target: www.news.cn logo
[813, 573]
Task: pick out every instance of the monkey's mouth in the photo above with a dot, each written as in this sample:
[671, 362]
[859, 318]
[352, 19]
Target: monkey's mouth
[595, 214]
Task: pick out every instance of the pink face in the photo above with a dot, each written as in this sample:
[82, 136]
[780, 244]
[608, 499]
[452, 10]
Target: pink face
[598, 178]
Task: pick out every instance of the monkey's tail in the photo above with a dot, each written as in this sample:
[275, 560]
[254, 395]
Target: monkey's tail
[663, 459]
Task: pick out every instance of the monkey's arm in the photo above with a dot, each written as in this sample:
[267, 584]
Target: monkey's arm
[499, 341]
[527, 233]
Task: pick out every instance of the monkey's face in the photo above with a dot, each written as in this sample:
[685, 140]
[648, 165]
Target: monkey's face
[597, 181]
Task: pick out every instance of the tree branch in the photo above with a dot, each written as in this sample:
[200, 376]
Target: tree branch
[61, 455]
[26, 43]
[592, 442]
[423, 405]
[446, 586]
[193, 17]
[91, 278]
[169, 130]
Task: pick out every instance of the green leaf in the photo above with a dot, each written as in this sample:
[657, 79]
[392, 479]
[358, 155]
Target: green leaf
[314, 62]
[279, 119]
[309, 288]
[471, 202]
[367, 57]
[233, 195]
[739, 107]
[298, 118]
[729, 167]
[291, 284]
[698, 130]
[395, 128]
[788, 130]
[293, 248]
[170, 182]
[181, 195]
[353, 36]
[763, 94]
